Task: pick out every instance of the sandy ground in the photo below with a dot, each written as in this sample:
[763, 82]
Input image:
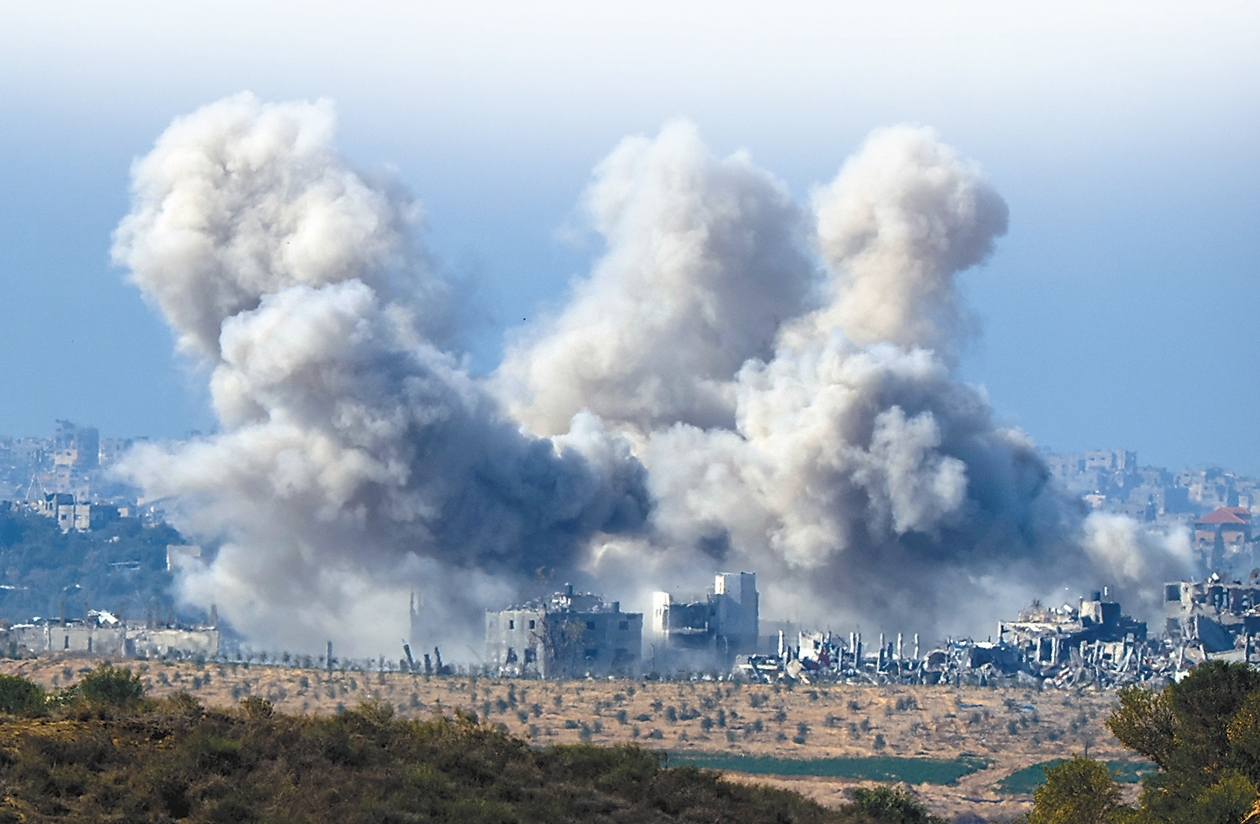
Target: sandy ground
[1013, 728]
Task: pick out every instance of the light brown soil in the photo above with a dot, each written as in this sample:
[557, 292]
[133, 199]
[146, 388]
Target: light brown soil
[840, 721]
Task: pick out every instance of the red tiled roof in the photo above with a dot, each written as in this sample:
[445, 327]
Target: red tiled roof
[1227, 515]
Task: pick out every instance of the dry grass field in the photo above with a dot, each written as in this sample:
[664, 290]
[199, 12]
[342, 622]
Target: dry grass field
[1012, 729]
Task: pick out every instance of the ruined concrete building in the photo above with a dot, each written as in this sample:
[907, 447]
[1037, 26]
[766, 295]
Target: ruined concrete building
[1096, 630]
[1223, 538]
[71, 514]
[708, 631]
[569, 635]
[1214, 618]
[101, 633]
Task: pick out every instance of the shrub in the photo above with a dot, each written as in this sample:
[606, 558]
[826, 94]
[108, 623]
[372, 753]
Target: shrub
[18, 696]
[111, 686]
[1077, 791]
[889, 806]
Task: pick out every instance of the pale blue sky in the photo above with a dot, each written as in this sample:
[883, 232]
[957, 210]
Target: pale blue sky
[1118, 311]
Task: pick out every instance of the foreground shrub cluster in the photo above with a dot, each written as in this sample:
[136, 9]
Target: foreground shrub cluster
[1203, 735]
[101, 752]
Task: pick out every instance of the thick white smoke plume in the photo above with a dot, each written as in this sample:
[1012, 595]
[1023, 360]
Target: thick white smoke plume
[858, 478]
[356, 460]
[706, 259]
[739, 384]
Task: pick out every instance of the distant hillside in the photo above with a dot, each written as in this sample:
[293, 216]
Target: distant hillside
[40, 567]
[101, 752]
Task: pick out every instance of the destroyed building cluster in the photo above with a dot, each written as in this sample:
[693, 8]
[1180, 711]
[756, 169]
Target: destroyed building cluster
[103, 633]
[1092, 643]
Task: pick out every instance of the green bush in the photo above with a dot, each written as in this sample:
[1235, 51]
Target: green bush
[889, 806]
[18, 696]
[111, 686]
[1077, 791]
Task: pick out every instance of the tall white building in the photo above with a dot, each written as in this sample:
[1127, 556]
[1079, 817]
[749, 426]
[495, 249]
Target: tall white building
[706, 631]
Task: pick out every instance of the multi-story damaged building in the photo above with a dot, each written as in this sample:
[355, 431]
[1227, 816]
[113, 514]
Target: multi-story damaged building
[1051, 637]
[1213, 618]
[1223, 538]
[568, 635]
[79, 516]
[706, 631]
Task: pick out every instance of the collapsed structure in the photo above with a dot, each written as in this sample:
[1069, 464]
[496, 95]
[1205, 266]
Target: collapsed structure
[1096, 631]
[1223, 539]
[72, 513]
[1093, 643]
[1214, 618]
[103, 633]
[565, 636]
[708, 631]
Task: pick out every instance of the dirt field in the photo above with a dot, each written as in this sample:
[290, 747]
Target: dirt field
[1011, 728]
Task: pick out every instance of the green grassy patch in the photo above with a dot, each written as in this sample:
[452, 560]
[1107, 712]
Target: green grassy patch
[878, 768]
[1023, 782]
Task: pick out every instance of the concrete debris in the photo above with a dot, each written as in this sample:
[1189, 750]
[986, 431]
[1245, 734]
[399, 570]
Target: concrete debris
[1214, 619]
[1090, 645]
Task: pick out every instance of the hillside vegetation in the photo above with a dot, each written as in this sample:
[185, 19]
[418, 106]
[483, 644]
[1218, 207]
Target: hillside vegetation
[101, 751]
[42, 567]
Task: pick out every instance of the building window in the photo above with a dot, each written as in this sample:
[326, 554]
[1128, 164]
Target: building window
[511, 624]
[623, 625]
[511, 656]
[532, 623]
[530, 656]
[592, 654]
[590, 625]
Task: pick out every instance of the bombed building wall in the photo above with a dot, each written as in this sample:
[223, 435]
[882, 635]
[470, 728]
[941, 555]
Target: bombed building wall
[1215, 616]
[705, 632]
[569, 635]
[103, 634]
[741, 381]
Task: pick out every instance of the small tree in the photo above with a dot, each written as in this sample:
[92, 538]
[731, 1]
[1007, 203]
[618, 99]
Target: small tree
[1077, 791]
[19, 696]
[110, 685]
[890, 806]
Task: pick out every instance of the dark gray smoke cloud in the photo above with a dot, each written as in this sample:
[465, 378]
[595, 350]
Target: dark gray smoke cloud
[740, 383]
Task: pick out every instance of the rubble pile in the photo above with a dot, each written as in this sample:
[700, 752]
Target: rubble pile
[1093, 644]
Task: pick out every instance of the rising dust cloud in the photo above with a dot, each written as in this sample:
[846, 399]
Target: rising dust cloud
[741, 382]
